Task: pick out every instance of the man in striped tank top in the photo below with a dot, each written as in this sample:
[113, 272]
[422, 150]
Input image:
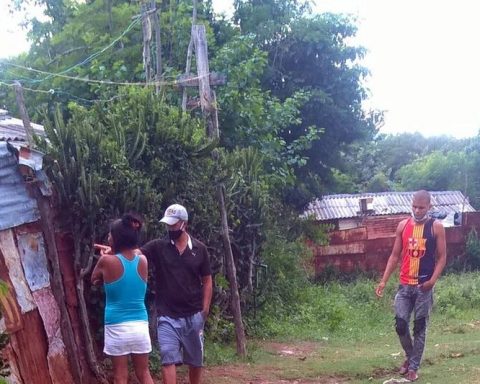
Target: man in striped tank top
[421, 248]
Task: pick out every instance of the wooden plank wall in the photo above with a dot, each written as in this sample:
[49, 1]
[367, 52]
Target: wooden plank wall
[32, 316]
[368, 247]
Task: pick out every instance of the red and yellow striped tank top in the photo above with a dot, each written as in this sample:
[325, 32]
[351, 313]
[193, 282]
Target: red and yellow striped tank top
[418, 252]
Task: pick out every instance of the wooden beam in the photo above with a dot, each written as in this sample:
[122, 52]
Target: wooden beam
[23, 112]
[215, 78]
[201, 53]
[189, 55]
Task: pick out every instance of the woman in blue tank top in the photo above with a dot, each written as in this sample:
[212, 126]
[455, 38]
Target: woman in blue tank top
[124, 276]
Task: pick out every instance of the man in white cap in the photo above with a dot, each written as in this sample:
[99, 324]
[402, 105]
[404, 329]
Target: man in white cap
[183, 291]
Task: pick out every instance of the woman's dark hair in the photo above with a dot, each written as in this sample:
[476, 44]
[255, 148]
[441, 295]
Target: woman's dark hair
[126, 232]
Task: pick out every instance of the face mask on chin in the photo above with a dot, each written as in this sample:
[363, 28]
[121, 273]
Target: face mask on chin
[420, 219]
[174, 235]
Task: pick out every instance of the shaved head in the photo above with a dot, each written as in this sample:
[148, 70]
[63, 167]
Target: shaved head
[420, 206]
[422, 195]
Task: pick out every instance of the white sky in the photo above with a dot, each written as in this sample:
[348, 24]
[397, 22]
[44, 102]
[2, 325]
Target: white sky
[424, 58]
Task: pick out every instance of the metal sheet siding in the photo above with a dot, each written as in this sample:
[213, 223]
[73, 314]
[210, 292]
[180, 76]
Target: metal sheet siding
[15, 271]
[385, 203]
[12, 128]
[34, 260]
[16, 206]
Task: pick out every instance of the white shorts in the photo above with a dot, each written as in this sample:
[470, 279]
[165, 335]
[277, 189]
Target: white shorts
[125, 338]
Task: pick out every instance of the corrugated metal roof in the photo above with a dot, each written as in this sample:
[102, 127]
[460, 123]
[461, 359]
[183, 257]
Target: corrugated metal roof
[12, 128]
[16, 206]
[384, 203]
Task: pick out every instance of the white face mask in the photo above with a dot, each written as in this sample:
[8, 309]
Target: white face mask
[420, 219]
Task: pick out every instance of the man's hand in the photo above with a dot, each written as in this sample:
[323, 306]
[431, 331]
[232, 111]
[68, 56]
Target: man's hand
[426, 286]
[205, 313]
[379, 289]
[104, 249]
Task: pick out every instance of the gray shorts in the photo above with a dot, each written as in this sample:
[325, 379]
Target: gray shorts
[181, 340]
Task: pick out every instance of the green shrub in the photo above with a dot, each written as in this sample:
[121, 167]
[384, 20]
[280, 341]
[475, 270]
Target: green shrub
[472, 251]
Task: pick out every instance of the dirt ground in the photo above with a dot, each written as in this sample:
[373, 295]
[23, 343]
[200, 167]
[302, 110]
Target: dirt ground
[244, 374]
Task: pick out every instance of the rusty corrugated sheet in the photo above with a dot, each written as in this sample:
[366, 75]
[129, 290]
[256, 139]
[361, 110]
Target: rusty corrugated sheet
[378, 245]
[382, 226]
[385, 203]
[16, 206]
[342, 249]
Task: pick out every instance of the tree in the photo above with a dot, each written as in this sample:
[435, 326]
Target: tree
[436, 172]
[312, 55]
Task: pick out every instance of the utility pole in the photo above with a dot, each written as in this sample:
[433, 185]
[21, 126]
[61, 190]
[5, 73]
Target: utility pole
[189, 55]
[23, 113]
[147, 37]
[158, 45]
[209, 110]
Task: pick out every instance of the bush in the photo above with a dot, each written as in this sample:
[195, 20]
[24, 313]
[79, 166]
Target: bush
[472, 256]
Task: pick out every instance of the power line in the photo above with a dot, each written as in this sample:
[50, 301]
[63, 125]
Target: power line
[60, 92]
[104, 82]
[85, 61]
[51, 91]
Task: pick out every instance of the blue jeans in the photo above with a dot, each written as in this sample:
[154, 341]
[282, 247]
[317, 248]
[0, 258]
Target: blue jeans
[411, 298]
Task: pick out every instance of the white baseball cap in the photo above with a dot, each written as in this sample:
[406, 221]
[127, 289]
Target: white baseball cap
[174, 213]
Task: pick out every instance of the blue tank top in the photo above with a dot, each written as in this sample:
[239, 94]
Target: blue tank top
[125, 297]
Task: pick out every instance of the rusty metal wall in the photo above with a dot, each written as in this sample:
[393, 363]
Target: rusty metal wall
[368, 247]
[16, 206]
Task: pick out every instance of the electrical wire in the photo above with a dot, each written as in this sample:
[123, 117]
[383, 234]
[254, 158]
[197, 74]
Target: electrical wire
[85, 61]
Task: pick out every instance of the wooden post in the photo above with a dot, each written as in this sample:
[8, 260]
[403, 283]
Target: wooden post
[48, 229]
[158, 45]
[209, 109]
[147, 37]
[203, 72]
[22, 109]
[189, 55]
[232, 276]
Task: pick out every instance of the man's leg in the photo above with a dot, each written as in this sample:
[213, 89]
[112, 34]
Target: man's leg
[423, 305]
[193, 346]
[169, 374]
[169, 339]
[403, 309]
[194, 374]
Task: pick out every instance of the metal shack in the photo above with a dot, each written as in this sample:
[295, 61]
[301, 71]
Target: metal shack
[44, 343]
[364, 226]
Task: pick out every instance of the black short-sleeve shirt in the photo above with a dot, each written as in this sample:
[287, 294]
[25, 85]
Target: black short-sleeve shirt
[178, 278]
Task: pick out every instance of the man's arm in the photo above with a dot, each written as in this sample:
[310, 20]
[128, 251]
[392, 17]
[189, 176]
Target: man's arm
[439, 232]
[393, 259]
[207, 290]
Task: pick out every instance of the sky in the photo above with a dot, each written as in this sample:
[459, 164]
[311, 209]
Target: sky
[423, 56]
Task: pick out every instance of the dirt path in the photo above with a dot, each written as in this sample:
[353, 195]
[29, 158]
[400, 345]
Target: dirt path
[244, 374]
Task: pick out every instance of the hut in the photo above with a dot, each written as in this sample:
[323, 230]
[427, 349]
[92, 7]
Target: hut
[363, 226]
[44, 344]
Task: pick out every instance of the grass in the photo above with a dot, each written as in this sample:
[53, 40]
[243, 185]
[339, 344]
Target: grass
[342, 333]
